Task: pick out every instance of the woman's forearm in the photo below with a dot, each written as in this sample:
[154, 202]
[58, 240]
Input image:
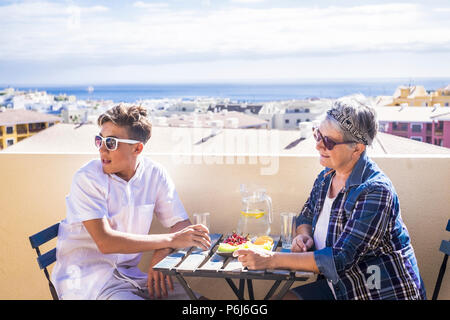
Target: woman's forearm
[304, 229]
[295, 261]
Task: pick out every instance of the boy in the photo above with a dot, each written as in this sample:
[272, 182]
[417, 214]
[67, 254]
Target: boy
[109, 213]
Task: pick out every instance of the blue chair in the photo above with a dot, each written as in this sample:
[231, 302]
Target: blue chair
[46, 259]
[445, 248]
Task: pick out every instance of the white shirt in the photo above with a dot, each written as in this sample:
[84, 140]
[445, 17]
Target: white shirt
[321, 229]
[81, 270]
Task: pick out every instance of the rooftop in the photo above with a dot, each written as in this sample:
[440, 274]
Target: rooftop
[410, 114]
[207, 120]
[13, 117]
[237, 107]
[207, 166]
[67, 138]
[414, 91]
[34, 199]
[442, 117]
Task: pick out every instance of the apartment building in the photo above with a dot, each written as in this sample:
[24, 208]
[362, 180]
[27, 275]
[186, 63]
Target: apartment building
[16, 125]
[417, 96]
[430, 125]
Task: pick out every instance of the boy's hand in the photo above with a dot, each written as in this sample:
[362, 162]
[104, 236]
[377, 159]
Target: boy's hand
[157, 282]
[196, 235]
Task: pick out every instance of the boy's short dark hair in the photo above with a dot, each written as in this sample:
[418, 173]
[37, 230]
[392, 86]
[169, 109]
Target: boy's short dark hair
[132, 118]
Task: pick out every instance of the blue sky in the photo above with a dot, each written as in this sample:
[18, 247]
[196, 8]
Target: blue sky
[103, 42]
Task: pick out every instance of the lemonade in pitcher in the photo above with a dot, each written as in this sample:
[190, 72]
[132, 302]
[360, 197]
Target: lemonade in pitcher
[256, 213]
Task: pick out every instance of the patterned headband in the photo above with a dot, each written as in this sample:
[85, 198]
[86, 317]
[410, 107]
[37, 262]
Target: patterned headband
[346, 123]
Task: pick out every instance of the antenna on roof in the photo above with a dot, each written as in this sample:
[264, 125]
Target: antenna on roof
[79, 125]
[410, 83]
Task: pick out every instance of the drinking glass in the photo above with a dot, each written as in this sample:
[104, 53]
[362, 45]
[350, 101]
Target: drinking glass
[202, 218]
[287, 229]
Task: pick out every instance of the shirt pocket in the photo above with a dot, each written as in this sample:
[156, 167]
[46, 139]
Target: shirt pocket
[144, 216]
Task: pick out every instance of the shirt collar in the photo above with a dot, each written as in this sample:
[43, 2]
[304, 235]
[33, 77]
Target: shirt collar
[137, 174]
[356, 177]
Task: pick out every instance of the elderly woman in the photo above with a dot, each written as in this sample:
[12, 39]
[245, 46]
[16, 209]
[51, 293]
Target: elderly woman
[350, 230]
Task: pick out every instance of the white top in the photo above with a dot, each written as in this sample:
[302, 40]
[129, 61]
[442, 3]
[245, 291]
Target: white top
[321, 230]
[81, 270]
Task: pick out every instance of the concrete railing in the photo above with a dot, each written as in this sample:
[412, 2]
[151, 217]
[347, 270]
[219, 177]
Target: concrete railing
[33, 189]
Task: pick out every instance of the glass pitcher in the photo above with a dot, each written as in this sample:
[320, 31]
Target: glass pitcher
[256, 212]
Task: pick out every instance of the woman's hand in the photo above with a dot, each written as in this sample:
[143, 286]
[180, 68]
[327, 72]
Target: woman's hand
[302, 243]
[255, 259]
[194, 235]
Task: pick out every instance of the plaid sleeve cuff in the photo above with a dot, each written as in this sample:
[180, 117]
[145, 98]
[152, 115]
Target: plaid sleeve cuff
[302, 219]
[325, 263]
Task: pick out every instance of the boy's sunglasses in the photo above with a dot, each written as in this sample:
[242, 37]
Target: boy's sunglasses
[327, 142]
[111, 143]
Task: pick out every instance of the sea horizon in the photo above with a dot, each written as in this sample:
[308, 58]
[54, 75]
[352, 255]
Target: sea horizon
[240, 91]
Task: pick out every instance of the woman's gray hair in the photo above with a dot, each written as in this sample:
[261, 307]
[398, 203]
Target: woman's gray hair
[355, 118]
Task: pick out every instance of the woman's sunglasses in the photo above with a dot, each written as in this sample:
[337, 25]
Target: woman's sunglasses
[327, 142]
[111, 143]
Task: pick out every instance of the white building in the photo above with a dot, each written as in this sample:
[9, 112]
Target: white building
[291, 113]
[73, 115]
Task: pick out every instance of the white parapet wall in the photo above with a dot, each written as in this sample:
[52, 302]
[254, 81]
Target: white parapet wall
[33, 189]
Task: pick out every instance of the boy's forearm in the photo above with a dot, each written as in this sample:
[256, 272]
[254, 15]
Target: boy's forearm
[111, 241]
[122, 242]
[176, 227]
[126, 243]
[180, 225]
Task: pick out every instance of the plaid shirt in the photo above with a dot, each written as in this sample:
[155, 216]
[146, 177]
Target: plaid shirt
[368, 253]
